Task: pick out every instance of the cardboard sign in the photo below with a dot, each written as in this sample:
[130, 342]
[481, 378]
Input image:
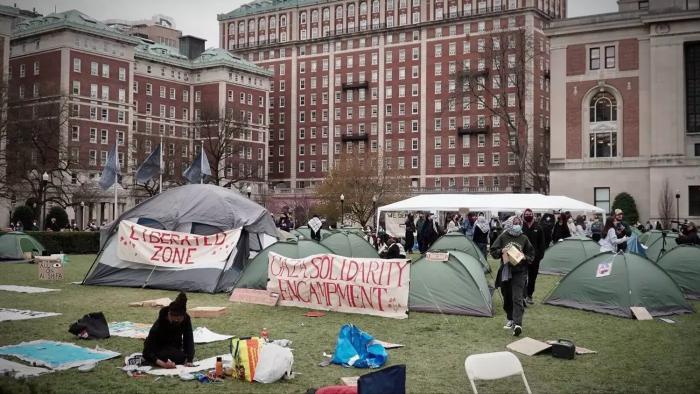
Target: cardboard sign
[157, 303]
[50, 269]
[437, 256]
[208, 311]
[641, 313]
[604, 269]
[172, 249]
[254, 296]
[528, 346]
[514, 255]
[329, 282]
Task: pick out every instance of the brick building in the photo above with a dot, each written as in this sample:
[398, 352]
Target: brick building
[116, 87]
[625, 113]
[160, 29]
[380, 76]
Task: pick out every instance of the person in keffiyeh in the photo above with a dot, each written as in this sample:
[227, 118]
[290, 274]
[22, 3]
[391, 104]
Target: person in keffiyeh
[512, 279]
[481, 233]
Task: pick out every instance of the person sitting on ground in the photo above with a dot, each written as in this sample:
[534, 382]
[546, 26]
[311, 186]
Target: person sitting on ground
[611, 241]
[689, 235]
[394, 250]
[170, 341]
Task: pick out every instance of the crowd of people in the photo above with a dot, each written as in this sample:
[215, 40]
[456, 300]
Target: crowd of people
[54, 226]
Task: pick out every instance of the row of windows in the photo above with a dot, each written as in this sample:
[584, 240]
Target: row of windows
[163, 92]
[95, 68]
[101, 114]
[93, 133]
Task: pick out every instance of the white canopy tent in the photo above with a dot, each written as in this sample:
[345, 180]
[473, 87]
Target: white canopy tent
[488, 203]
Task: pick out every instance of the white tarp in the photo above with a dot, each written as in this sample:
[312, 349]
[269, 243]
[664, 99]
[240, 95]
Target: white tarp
[206, 364]
[129, 329]
[20, 314]
[25, 289]
[17, 370]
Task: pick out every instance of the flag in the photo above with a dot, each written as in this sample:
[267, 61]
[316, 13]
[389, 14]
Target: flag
[150, 168]
[199, 168]
[110, 173]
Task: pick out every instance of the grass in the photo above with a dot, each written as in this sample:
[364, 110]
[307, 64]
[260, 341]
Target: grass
[633, 356]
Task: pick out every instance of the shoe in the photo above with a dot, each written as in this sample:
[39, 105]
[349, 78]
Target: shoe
[517, 330]
[528, 300]
[509, 325]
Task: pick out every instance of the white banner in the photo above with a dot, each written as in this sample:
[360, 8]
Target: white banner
[329, 282]
[395, 223]
[163, 248]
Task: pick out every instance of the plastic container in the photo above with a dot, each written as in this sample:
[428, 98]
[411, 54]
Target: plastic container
[219, 368]
[265, 335]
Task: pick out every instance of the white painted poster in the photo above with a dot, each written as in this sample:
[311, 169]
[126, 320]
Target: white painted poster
[395, 223]
[163, 248]
[604, 269]
[371, 286]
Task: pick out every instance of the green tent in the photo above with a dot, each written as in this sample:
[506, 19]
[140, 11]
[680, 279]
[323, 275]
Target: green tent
[254, 275]
[565, 255]
[14, 244]
[612, 283]
[348, 244]
[682, 263]
[459, 241]
[655, 242]
[457, 286]
[304, 232]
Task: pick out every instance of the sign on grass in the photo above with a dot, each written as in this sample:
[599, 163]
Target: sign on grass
[329, 282]
[50, 269]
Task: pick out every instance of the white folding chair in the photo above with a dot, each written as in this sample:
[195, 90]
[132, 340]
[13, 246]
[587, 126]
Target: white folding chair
[491, 366]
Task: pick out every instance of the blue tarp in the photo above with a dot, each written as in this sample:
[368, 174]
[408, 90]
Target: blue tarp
[357, 348]
[56, 355]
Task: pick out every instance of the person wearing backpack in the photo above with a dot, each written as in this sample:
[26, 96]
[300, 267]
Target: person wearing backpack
[597, 229]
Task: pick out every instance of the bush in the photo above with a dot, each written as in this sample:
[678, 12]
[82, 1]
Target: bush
[60, 215]
[69, 242]
[626, 202]
[25, 215]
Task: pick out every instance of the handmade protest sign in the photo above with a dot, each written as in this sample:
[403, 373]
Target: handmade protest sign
[172, 249]
[371, 286]
[50, 269]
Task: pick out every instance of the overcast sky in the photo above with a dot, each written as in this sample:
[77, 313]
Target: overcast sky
[198, 18]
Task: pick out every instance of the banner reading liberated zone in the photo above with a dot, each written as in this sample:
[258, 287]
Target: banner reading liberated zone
[163, 248]
[371, 286]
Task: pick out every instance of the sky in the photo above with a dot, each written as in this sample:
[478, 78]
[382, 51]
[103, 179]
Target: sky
[198, 18]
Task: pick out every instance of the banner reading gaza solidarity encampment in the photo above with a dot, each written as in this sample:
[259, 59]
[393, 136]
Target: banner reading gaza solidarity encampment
[163, 248]
[343, 284]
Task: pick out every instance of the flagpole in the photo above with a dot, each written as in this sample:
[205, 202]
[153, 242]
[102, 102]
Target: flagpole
[160, 166]
[116, 180]
[201, 164]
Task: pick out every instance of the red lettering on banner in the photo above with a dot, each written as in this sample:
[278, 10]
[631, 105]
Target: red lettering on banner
[314, 263]
[156, 252]
[167, 259]
[132, 234]
[188, 260]
[220, 239]
[153, 237]
[401, 268]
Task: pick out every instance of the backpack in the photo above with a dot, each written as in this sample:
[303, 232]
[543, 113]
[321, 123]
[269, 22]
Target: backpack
[91, 326]
[596, 231]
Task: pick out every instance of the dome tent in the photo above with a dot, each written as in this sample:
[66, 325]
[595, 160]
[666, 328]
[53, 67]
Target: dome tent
[565, 255]
[254, 275]
[682, 263]
[612, 283]
[655, 243]
[14, 244]
[459, 241]
[194, 209]
[348, 244]
[304, 232]
[457, 286]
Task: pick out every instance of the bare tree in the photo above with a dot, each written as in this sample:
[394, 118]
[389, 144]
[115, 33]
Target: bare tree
[666, 205]
[502, 85]
[224, 138]
[364, 183]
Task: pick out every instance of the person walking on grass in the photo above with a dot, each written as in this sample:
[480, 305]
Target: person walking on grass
[512, 276]
[410, 230]
[481, 234]
[535, 234]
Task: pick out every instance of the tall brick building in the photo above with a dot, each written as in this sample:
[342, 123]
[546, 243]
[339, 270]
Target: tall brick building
[116, 87]
[380, 76]
[626, 107]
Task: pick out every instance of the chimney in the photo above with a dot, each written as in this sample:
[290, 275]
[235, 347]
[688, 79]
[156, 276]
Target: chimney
[191, 46]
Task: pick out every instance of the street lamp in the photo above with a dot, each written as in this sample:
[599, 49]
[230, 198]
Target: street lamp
[13, 201]
[374, 207]
[82, 215]
[249, 190]
[44, 182]
[342, 209]
[678, 209]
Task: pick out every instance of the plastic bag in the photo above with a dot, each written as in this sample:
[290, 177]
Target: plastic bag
[356, 348]
[274, 363]
[245, 354]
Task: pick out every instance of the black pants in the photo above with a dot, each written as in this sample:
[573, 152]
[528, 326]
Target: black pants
[513, 303]
[532, 270]
[173, 354]
[409, 241]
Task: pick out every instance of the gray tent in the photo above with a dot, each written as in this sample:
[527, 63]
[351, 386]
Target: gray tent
[194, 209]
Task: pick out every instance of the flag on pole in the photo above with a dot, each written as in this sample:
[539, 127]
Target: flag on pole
[110, 173]
[199, 168]
[150, 168]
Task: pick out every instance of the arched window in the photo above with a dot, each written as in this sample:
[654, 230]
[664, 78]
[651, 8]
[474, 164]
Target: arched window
[326, 14]
[351, 10]
[302, 17]
[262, 23]
[603, 108]
[314, 16]
[241, 27]
[603, 126]
[363, 8]
[273, 22]
[251, 25]
[339, 12]
[232, 27]
[283, 21]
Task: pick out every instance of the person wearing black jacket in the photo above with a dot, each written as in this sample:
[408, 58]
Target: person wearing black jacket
[170, 341]
[481, 234]
[410, 229]
[429, 233]
[547, 225]
[689, 235]
[561, 228]
[535, 234]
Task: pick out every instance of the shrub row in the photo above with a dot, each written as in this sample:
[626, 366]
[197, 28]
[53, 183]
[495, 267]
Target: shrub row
[69, 242]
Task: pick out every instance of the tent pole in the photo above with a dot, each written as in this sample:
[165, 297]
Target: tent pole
[160, 165]
[148, 278]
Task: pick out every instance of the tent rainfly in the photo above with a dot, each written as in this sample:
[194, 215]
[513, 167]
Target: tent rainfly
[682, 263]
[14, 244]
[349, 244]
[304, 232]
[612, 283]
[565, 255]
[657, 244]
[458, 241]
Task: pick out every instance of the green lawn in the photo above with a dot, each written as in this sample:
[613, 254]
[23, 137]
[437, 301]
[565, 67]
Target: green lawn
[633, 356]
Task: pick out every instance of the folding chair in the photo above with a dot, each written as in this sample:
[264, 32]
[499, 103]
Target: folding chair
[491, 366]
[390, 380]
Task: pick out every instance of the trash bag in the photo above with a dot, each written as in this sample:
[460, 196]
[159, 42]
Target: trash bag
[91, 326]
[357, 348]
[274, 362]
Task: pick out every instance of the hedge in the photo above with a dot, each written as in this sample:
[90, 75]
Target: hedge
[69, 242]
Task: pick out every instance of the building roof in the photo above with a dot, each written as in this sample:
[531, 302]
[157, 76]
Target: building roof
[212, 57]
[260, 6]
[71, 19]
[614, 20]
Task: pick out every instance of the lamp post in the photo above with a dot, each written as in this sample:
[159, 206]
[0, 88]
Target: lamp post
[342, 209]
[249, 190]
[678, 209]
[374, 207]
[13, 201]
[44, 182]
[82, 215]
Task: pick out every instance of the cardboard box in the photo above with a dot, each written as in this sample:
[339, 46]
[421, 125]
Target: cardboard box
[254, 296]
[208, 311]
[514, 255]
[157, 303]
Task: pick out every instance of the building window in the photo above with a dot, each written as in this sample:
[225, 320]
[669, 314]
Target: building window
[610, 57]
[601, 197]
[694, 200]
[692, 95]
[603, 108]
[644, 5]
[594, 58]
